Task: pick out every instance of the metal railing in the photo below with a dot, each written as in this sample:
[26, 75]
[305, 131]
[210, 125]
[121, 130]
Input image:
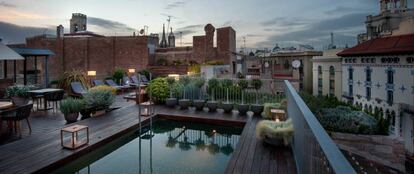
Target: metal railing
[314, 150]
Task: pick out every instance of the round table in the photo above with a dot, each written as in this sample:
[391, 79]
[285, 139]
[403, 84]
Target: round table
[5, 105]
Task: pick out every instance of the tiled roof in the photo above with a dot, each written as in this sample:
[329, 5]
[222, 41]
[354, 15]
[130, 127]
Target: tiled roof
[403, 44]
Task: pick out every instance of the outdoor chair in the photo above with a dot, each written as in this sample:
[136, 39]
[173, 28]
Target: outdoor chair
[134, 79]
[37, 100]
[54, 97]
[98, 82]
[144, 80]
[14, 116]
[116, 86]
[78, 90]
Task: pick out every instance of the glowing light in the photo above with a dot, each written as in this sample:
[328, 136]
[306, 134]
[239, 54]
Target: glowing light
[175, 76]
[132, 70]
[91, 73]
[214, 131]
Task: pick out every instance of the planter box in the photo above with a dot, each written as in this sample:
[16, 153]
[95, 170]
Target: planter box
[199, 104]
[257, 109]
[212, 106]
[171, 102]
[184, 103]
[227, 107]
[243, 108]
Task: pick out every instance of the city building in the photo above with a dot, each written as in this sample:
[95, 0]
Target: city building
[378, 75]
[327, 74]
[395, 18]
[84, 50]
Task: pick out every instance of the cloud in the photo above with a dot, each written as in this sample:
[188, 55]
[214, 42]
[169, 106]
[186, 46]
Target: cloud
[227, 23]
[175, 5]
[345, 28]
[5, 4]
[11, 33]
[284, 22]
[340, 10]
[190, 29]
[108, 26]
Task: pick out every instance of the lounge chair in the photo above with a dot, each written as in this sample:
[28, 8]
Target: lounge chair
[126, 81]
[144, 80]
[98, 82]
[116, 86]
[134, 79]
[78, 90]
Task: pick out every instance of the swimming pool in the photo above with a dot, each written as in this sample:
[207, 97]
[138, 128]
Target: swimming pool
[164, 146]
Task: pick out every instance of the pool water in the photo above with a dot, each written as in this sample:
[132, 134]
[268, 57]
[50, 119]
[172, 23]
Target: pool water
[164, 147]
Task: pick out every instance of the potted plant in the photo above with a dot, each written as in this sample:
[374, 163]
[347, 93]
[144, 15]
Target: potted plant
[257, 108]
[275, 133]
[172, 101]
[19, 94]
[227, 106]
[243, 107]
[212, 85]
[184, 102]
[99, 100]
[158, 90]
[199, 103]
[70, 108]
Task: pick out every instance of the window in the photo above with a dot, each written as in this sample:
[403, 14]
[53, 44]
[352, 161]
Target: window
[331, 80]
[319, 70]
[390, 76]
[331, 71]
[368, 91]
[350, 90]
[368, 74]
[350, 73]
[319, 80]
[390, 97]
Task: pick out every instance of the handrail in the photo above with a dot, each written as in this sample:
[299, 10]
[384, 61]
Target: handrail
[336, 159]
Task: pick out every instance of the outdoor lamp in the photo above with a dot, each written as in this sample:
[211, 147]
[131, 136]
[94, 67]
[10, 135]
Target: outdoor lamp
[91, 73]
[147, 108]
[175, 76]
[75, 136]
[132, 70]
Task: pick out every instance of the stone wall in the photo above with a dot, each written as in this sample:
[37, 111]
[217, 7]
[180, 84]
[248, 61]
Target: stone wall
[385, 150]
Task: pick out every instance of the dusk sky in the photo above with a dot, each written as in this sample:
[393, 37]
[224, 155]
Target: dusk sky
[262, 22]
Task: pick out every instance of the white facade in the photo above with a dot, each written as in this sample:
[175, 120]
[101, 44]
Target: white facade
[390, 90]
[327, 74]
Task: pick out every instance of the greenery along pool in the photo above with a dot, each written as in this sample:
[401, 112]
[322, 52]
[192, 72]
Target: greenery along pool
[166, 147]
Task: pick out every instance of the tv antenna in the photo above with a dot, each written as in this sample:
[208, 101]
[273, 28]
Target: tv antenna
[168, 20]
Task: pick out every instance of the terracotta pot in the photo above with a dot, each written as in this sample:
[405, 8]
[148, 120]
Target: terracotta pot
[227, 107]
[171, 102]
[199, 104]
[257, 109]
[212, 106]
[72, 117]
[19, 101]
[243, 108]
[184, 103]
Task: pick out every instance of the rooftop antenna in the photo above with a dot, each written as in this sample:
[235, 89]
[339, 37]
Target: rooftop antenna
[244, 44]
[168, 20]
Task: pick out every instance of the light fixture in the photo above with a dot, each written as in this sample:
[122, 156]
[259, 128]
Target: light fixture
[132, 70]
[91, 73]
[75, 136]
[175, 76]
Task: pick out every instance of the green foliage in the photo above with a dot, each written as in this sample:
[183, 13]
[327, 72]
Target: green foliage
[177, 62]
[226, 83]
[243, 84]
[71, 105]
[184, 80]
[170, 80]
[119, 73]
[344, 119]
[73, 76]
[145, 72]
[194, 68]
[214, 62]
[101, 99]
[199, 82]
[315, 103]
[159, 89]
[256, 83]
[213, 83]
[19, 91]
[268, 106]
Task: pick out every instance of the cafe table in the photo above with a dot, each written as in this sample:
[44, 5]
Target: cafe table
[42, 92]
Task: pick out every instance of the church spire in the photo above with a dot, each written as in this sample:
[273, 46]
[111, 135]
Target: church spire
[163, 39]
[171, 39]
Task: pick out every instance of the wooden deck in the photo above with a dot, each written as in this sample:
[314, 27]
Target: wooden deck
[41, 152]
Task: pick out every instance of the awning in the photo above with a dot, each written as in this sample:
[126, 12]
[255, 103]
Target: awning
[7, 53]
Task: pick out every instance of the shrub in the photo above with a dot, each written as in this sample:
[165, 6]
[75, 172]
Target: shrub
[71, 105]
[146, 73]
[159, 89]
[73, 76]
[344, 119]
[100, 99]
[119, 73]
[170, 80]
[256, 83]
[199, 82]
[226, 83]
[194, 68]
[104, 88]
[213, 83]
[275, 130]
[184, 80]
[243, 84]
[19, 91]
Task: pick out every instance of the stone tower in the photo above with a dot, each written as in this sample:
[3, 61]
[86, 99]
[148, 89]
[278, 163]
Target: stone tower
[77, 22]
[171, 39]
[393, 5]
[163, 43]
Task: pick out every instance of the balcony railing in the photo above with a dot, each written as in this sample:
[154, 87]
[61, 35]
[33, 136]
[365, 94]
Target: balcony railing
[314, 150]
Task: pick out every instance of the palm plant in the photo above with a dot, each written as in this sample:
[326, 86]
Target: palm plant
[257, 108]
[199, 83]
[184, 102]
[171, 102]
[212, 85]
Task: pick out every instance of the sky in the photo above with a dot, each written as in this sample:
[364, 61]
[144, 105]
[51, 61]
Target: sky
[261, 23]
